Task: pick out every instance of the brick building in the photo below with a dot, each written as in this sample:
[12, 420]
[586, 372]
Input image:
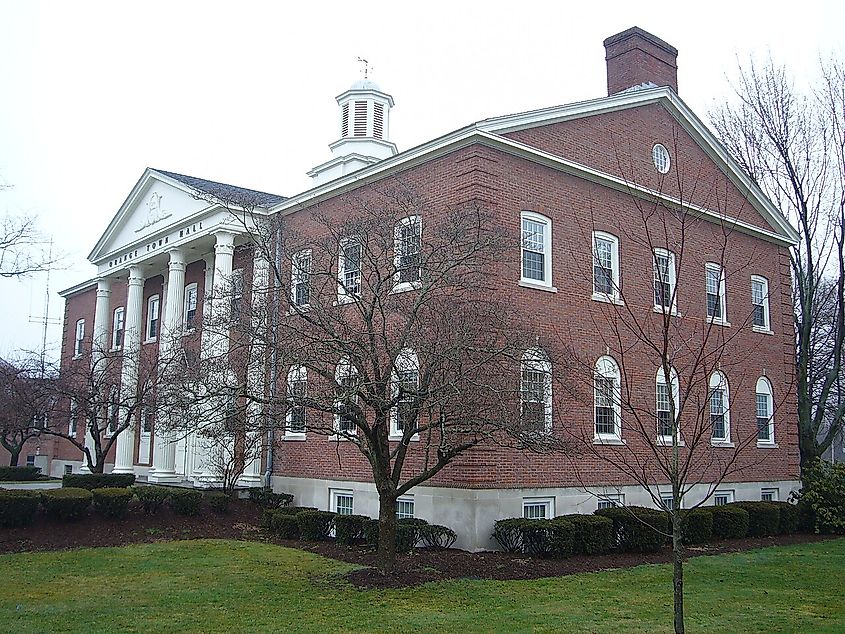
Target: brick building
[571, 183]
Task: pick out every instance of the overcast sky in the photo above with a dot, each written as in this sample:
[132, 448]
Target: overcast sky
[91, 93]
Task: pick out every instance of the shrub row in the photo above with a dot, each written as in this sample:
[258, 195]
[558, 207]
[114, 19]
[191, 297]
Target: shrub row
[559, 537]
[821, 501]
[17, 508]
[19, 474]
[268, 499]
[92, 481]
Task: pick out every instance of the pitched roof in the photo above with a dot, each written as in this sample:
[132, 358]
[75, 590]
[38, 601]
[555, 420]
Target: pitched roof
[231, 193]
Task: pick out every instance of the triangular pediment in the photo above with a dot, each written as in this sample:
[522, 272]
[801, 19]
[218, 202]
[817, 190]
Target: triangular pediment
[155, 203]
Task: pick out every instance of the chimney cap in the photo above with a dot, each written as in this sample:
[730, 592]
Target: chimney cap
[637, 31]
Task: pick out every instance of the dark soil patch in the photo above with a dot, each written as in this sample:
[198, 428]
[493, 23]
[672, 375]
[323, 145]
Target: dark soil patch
[420, 566]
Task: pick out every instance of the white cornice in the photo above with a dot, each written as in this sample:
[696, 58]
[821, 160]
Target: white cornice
[76, 288]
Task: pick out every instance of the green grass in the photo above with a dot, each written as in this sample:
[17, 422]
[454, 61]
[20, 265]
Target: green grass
[230, 586]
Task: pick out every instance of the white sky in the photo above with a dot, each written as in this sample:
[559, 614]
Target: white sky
[91, 93]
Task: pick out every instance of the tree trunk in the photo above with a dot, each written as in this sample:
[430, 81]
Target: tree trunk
[14, 455]
[386, 553]
[678, 571]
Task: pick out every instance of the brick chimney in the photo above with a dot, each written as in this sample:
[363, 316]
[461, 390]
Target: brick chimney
[636, 57]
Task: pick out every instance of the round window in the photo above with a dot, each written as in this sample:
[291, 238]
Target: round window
[660, 156]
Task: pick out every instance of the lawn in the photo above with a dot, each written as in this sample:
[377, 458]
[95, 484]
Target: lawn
[233, 586]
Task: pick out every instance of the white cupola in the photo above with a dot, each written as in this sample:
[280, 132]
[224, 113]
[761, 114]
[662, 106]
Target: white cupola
[364, 132]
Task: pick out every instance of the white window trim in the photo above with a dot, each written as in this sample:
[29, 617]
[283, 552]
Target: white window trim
[728, 493]
[668, 496]
[342, 296]
[765, 329]
[616, 273]
[294, 278]
[79, 339]
[401, 287]
[297, 373]
[73, 418]
[148, 325]
[335, 493]
[721, 320]
[545, 285]
[117, 343]
[548, 502]
[616, 436]
[659, 148]
[675, 395]
[343, 369]
[774, 491]
[718, 379]
[673, 280]
[611, 499]
[770, 443]
[406, 360]
[195, 288]
[408, 499]
[113, 404]
[537, 359]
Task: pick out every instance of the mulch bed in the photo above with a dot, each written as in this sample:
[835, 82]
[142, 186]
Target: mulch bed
[420, 566]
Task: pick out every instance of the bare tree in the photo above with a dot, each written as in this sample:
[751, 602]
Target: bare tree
[25, 403]
[792, 142]
[23, 248]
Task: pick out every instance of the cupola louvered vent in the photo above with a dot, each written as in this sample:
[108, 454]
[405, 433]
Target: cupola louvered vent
[344, 121]
[378, 120]
[360, 118]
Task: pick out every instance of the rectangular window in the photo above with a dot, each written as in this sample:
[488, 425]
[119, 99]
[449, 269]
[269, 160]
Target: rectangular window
[301, 278]
[605, 407]
[349, 270]
[534, 399]
[342, 502]
[760, 302]
[68, 469]
[346, 403]
[237, 295]
[534, 249]
[30, 460]
[79, 337]
[664, 280]
[152, 317]
[720, 498]
[664, 413]
[405, 508]
[297, 392]
[764, 415]
[407, 385]
[190, 311]
[717, 414]
[537, 508]
[769, 495]
[715, 293]
[408, 249]
[118, 325]
[610, 500]
[668, 502]
[73, 418]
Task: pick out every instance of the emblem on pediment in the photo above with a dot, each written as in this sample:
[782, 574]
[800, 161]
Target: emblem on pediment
[155, 211]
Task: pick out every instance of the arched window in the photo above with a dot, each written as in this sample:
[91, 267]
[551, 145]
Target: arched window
[720, 417]
[297, 390]
[536, 391]
[608, 400]
[667, 397]
[346, 377]
[765, 412]
[406, 383]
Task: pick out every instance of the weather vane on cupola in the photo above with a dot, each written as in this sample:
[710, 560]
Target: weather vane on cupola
[366, 68]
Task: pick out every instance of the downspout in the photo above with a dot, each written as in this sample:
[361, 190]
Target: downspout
[271, 430]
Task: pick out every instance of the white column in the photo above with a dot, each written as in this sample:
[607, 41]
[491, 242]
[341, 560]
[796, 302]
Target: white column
[257, 368]
[98, 347]
[125, 453]
[164, 451]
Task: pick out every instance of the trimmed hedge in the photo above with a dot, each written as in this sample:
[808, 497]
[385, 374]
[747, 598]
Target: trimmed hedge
[185, 501]
[111, 501]
[789, 517]
[19, 474]
[293, 510]
[730, 522]
[218, 501]
[266, 498]
[591, 534]
[152, 497]
[284, 526]
[508, 533]
[409, 532]
[98, 480]
[315, 525]
[349, 529]
[67, 503]
[437, 536]
[17, 508]
[763, 518]
[371, 533]
[637, 529]
[697, 525]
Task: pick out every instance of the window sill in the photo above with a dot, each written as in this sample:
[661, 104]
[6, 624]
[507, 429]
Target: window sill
[538, 286]
[342, 437]
[293, 437]
[188, 331]
[762, 330]
[398, 437]
[298, 308]
[722, 443]
[404, 287]
[77, 356]
[718, 322]
[115, 348]
[666, 441]
[151, 340]
[346, 299]
[607, 299]
[612, 441]
[767, 444]
[661, 310]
